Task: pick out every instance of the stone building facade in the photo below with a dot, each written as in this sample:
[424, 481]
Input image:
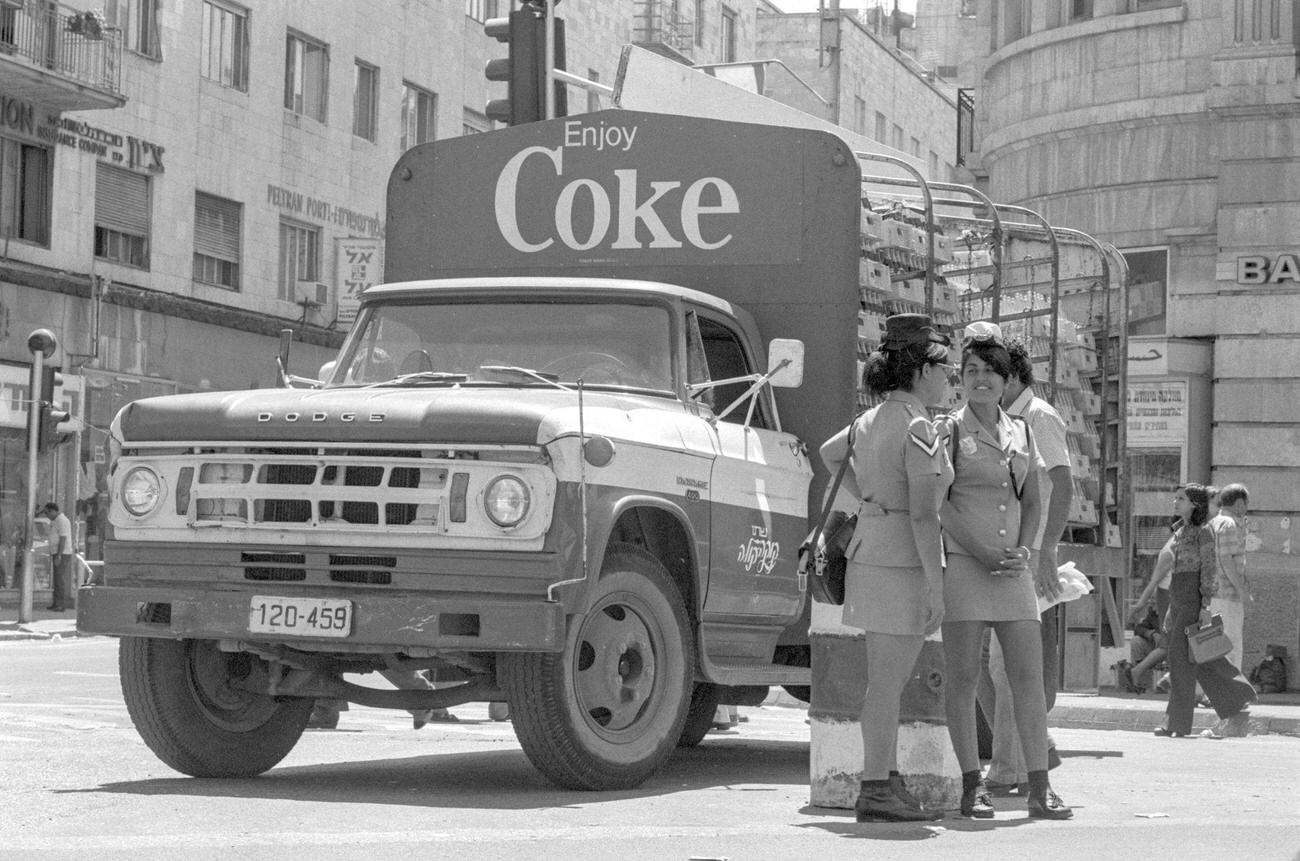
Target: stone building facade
[1170, 130]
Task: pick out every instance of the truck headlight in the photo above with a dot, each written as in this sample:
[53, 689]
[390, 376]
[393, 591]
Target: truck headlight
[141, 491]
[506, 501]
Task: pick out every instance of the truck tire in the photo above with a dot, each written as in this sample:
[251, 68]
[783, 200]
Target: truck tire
[699, 717]
[607, 712]
[179, 696]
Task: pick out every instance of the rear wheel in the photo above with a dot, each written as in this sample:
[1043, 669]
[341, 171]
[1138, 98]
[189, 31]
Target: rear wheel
[608, 711]
[184, 700]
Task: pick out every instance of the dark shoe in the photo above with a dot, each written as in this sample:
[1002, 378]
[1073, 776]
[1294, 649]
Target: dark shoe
[900, 792]
[1049, 806]
[882, 805]
[53, 609]
[1164, 733]
[976, 802]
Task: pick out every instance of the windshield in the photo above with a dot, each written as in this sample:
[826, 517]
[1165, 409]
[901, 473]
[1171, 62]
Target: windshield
[477, 342]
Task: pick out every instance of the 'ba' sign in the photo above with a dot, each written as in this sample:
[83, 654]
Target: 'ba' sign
[1260, 270]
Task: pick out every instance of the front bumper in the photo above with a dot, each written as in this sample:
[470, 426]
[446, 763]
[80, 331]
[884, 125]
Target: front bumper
[390, 622]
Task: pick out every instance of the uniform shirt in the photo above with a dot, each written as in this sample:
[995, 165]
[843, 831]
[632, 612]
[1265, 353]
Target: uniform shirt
[893, 443]
[1230, 552]
[1048, 429]
[990, 475]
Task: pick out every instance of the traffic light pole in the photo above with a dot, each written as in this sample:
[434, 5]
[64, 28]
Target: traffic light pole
[42, 344]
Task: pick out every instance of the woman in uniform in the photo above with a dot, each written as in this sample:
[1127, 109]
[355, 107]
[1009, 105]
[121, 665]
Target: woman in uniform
[989, 522]
[894, 584]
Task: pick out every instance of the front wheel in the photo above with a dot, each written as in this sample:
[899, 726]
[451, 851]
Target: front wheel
[608, 711]
[185, 701]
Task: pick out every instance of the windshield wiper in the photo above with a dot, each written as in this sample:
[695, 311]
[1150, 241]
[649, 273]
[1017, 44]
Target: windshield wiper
[548, 379]
[420, 377]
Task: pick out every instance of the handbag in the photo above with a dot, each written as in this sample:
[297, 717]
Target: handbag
[1208, 643]
[828, 545]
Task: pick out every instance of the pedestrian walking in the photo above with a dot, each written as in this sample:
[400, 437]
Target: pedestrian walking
[1192, 586]
[990, 520]
[1234, 592]
[894, 585]
[60, 549]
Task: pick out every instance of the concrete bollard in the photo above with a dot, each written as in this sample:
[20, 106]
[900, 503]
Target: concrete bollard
[839, 680]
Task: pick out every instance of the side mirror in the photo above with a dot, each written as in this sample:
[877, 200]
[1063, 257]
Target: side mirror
[785, 363]
[326, 371]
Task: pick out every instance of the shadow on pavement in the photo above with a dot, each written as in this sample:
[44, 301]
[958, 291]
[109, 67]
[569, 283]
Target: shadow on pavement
[503, 780]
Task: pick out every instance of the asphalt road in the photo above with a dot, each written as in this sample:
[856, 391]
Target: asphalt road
[79, 783]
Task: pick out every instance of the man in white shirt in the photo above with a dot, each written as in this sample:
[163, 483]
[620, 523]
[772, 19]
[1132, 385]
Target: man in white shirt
[1056, 490]
[60, 550]
[1229, 528]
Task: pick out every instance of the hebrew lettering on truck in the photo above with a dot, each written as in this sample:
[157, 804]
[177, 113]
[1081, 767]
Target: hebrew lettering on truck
[558, 462]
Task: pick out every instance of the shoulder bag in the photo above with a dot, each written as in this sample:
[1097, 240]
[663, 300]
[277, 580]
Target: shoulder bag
[829, 542]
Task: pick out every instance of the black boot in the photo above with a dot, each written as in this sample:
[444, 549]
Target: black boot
[878, 803]
[1043, 802]
[975, 799]
[900, 790]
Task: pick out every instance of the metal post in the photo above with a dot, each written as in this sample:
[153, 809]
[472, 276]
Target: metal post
[42, 344]
[548, 6]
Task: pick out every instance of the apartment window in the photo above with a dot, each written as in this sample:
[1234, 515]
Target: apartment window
[223, 54]
[699, 22]
[728, 35]
[216, 240]
[934, 166]
[419, 109]
[859, 115]
[138, 21]
[299, 258]
[474, 122]
[365, 111]
[121, 216]
[898, 137]
[916, 147]
[481, 10]
[1080, 9]
[882, 129]
[306, 71]
[25, 191]
[593, 97]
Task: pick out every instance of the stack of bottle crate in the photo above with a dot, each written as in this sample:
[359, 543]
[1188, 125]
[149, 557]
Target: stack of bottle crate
[891, 274]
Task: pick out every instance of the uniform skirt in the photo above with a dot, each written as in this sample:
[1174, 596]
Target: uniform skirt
[885, 600]
[972, 594]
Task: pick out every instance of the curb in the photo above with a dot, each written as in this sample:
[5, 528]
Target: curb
[1143, 720]
[18, 633]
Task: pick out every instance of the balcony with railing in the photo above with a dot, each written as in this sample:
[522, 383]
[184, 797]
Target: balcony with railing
[662, 27]
[62, 58]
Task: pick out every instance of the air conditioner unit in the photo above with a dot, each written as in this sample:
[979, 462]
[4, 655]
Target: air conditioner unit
[313, 293]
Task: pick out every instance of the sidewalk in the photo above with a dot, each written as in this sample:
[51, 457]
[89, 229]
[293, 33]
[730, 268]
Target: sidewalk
[1109, 708]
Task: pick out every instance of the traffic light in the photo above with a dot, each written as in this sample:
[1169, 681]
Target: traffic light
[49, 413]
[523, 69]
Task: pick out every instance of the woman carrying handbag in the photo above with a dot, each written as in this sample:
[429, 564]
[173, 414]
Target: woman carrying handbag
[899, 473]
[1192, 585]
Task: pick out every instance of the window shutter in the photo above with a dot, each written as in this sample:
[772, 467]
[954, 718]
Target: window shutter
[216, 227]
[121, 200]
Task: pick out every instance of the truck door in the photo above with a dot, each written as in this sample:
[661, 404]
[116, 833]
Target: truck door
[759, 484]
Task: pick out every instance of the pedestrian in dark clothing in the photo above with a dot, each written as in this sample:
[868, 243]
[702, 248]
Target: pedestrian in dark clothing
[1191, 587]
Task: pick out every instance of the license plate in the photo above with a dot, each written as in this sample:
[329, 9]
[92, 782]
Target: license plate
[303, 617]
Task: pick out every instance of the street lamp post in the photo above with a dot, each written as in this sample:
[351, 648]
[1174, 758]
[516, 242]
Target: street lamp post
[42, 344]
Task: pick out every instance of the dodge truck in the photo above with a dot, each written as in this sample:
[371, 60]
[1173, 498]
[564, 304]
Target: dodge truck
[560, 461]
